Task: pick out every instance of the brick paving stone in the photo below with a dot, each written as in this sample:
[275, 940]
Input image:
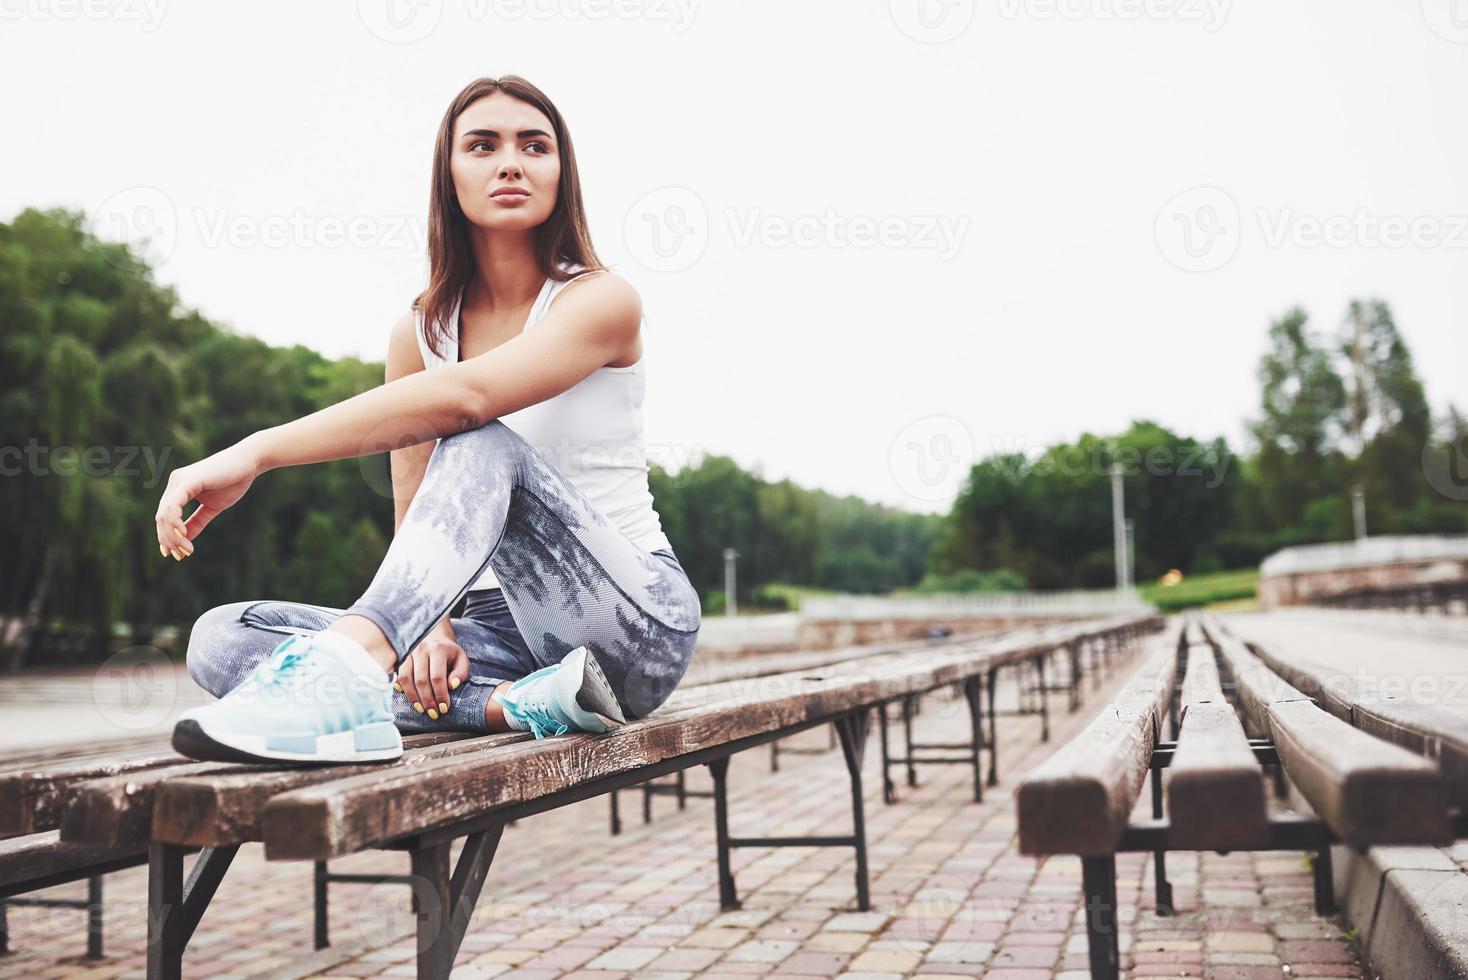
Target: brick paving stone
[761, 951]
[814, 964]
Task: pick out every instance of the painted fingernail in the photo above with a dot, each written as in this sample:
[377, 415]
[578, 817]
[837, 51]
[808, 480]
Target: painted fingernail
[453, 683]
[443, 708]
[163, 551]
[433, 714]
[418, 706]
[397, 687]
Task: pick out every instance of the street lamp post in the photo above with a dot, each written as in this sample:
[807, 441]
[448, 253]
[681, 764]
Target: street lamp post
[731, 606]
[1119, 528]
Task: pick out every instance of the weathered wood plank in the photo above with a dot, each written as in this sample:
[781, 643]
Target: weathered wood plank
[1215, 788]
[31, 796]
[1078, 800]
[1368, 791]
[106, 795]
[38, 860]
[215, 809]
[1428, 721]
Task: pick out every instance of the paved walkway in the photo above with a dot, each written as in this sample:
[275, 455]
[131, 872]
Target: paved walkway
[951, 896]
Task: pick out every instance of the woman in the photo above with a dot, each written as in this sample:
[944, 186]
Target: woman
[523, 356]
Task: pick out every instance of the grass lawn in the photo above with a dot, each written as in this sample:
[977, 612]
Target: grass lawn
[1205, 590]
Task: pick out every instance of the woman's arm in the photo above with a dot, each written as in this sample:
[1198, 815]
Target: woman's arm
[589, 325]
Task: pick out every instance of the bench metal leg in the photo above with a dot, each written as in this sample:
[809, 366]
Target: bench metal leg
[92, 905]
[94, 917]
[719, 770]
[993, 728]
[1324, 882]
[321, 933]
[889, 790]
[175, 906]
[1042, 692]
[444, 905]
[973, 691]
[852, 729]
[1098, 885]
[616, 816]
[1161, 885]
[907, 739]
[1074, 652]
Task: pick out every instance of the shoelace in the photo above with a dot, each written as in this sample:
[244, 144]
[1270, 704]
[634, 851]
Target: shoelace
[540, 721]
[285, 665]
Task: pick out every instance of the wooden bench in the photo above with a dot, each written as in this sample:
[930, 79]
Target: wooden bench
[1026, 647]
[1363, 790]
[760, 666]
[158, 807]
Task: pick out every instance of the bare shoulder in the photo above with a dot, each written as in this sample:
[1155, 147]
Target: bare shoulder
[403, 355]
[606, 290]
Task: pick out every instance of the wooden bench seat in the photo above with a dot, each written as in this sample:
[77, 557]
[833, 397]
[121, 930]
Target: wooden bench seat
[1368, 790]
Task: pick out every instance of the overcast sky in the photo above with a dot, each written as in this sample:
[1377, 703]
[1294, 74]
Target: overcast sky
[873, 239]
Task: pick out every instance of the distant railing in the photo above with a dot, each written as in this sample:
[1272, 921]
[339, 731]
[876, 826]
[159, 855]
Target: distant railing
[1445, 597]
[1077, 602]
[1364, 553]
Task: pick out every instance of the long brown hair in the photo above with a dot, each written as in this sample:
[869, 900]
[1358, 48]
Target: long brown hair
[562, 239]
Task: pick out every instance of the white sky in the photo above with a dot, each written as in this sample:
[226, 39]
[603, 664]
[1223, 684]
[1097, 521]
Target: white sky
[1052, 137]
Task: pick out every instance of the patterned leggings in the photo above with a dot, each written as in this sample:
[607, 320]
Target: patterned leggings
[567, 577]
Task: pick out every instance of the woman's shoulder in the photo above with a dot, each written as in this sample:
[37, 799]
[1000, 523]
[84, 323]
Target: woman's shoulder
[608, 285]
[407, 349]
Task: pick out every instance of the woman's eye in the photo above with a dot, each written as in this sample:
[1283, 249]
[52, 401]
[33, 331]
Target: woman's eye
[541, 144]
[478, 143]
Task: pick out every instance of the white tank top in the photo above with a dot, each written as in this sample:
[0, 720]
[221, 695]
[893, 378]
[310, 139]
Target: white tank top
[591, 432]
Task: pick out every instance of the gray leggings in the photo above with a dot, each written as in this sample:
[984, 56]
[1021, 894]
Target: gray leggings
[567, 577]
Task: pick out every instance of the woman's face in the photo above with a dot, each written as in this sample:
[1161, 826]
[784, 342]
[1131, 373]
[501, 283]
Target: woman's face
[503, 145]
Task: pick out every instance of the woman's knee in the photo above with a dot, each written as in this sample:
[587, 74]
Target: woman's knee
[211, 637]
[493, 439]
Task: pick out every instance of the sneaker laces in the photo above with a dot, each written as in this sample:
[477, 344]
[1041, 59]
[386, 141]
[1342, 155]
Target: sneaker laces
[288, 665]
[533, 714]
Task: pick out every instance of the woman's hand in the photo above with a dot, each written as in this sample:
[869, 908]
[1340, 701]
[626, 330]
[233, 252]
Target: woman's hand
[216, 482]
[435, 667]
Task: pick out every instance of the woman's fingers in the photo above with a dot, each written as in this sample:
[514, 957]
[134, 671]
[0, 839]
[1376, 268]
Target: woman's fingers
[173, 538]
[424, 685]
[438, 674]
[433, 670]
[458, 668]
[407, 682]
